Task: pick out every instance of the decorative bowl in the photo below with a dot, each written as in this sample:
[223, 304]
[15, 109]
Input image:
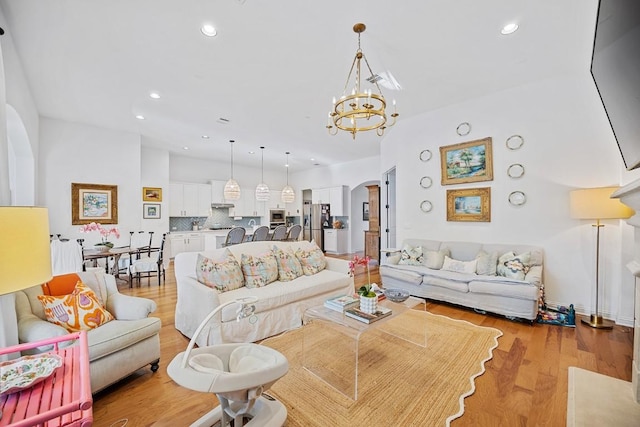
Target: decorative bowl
[396, 295]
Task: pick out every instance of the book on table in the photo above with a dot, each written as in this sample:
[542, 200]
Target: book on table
[342, 302]
[360, 315]
[380, 294]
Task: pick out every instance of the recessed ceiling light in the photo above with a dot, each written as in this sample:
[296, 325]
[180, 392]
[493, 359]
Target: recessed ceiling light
[509, 28]
[208, 30]
[205, 136]
[140, 117]
[312, 159]
[185, 148]
[252, 152]
[154, 95]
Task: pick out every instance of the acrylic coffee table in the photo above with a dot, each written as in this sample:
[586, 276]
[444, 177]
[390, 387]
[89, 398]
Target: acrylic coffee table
[333, 357]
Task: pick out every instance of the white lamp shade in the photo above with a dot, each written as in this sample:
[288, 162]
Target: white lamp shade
[262, 192]
[25, 251]
[596, 203]
[288, 194]
[231, 190]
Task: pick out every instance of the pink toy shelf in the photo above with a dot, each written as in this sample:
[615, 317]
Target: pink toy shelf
[63, 398]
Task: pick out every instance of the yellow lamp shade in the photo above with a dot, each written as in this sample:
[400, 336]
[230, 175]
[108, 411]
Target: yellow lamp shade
[25, 251]
[596, 203]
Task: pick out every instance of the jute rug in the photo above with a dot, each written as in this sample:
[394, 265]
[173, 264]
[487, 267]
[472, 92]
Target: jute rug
[399, 383]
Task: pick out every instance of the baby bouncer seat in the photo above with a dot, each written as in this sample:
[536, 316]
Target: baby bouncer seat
[238, 374]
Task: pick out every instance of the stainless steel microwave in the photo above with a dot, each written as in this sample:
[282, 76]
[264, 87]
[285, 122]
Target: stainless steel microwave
[276, 215]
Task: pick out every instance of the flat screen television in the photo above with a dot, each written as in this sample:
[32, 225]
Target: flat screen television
[615, 67]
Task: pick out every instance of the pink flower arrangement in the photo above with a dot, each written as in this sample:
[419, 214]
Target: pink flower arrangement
[104, 232]
[356, 261]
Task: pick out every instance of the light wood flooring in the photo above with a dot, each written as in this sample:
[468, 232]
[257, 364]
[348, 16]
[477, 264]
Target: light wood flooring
[525, 384]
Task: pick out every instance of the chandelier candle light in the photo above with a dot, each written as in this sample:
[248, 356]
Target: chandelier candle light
[231, 188]
[288, 194]
[262, 190]
[360, 110]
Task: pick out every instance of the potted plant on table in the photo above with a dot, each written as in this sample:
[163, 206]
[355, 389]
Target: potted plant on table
[368, 298]
[104, 245]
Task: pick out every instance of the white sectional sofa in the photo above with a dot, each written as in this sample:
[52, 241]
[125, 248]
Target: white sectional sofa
[280, 304]
[516, 296]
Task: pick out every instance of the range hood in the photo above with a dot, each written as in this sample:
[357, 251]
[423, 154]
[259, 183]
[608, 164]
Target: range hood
[222, 205]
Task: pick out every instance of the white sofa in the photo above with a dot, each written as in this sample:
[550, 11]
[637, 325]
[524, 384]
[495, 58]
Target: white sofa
[510, 297]
[117, 348]
[280, 304]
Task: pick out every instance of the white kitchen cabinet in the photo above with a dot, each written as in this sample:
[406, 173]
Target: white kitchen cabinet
[189, 199]
[185, 242]
[337, 199]
[320, 195]
[335, 240]
[275, 201]
[247, 205]
[217, 191]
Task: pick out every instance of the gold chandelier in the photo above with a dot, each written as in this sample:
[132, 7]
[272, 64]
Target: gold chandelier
[360, 110]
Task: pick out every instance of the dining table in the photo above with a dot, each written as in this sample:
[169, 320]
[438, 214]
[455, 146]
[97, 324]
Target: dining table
[115, 253]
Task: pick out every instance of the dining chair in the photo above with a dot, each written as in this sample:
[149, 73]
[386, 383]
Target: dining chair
[279, 233]
[294, 233]
[260, 233]
[235, 236]
[148, 262]
[138, 241]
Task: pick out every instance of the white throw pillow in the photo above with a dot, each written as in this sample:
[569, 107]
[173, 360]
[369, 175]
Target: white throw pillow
[435, 259]
[466, 267]
[411, 255]
[487, 263]
[514, 266]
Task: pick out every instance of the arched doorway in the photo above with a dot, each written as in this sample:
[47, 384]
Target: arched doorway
[21, 161]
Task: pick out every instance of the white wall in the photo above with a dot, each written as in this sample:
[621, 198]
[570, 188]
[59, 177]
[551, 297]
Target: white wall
[568, 145]
[154, 172]
[357, 226]
[72, 152]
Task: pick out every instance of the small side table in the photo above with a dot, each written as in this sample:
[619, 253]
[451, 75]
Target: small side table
[63, 399]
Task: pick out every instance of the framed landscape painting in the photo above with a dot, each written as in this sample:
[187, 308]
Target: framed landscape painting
[151, 194]
[151, 210]
[469, 204]
[94, 203]
[467, 162]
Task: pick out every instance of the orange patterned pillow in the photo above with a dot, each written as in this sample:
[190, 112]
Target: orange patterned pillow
[78, 311]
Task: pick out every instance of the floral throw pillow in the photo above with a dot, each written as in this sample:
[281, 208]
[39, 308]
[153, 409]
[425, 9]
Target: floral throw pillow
[514, 266]
[411, 255]
[223, 274]
[78, 311]
[260, 270]
[289, 267]
[312, 260]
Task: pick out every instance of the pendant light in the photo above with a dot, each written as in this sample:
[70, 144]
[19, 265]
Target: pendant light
[231, 188]
[288, 194]
[262, 190]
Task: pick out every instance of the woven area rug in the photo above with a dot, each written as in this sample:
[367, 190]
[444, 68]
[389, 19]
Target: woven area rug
[399, 383]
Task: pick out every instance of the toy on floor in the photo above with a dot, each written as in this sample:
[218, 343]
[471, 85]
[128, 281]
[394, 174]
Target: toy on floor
[238, 374]
[562, 316]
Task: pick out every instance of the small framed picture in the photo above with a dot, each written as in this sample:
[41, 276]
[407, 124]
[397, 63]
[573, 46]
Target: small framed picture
[151, 210]
[365, 211]
[471, 204]
[151, 194]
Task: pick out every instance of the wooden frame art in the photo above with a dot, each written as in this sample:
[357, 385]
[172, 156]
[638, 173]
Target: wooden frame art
[467, 162]
[151, 194]
[469, 204]
[94, 203]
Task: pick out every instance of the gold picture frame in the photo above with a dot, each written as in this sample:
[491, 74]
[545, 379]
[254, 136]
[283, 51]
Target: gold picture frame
[151, 194]
[94, 203]
[467, 162]
[469, 204]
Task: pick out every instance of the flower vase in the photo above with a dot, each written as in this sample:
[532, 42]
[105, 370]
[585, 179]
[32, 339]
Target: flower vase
[369, 304]
[103, 247]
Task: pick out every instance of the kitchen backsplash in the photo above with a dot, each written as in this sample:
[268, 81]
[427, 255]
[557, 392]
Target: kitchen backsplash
[219, 217]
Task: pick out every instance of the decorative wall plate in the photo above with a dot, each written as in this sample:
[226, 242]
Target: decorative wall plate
[426, 206]
[425, 182]
[425, 155]
[463, 129]
[516, 170]
[514, 142]
[517, 198]
[27, 371]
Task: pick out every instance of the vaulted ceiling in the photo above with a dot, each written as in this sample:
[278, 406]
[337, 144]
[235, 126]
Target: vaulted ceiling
[275, 65]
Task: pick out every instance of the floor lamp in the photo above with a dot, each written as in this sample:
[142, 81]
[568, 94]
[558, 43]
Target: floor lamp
[25, 258]
[596, 203]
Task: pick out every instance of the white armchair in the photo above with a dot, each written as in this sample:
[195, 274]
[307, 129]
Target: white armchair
[117, 348]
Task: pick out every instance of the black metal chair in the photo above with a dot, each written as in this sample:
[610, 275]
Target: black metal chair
[235, 236]
[294, 233]
[260, 233]
[148, 262]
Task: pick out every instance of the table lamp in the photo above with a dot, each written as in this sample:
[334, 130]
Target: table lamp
[596, 203]
[25, 260]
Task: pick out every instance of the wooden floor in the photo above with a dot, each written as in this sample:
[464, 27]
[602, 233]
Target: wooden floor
[525, 384]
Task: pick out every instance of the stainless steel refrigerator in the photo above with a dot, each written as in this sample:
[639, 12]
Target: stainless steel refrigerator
[319, 219]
